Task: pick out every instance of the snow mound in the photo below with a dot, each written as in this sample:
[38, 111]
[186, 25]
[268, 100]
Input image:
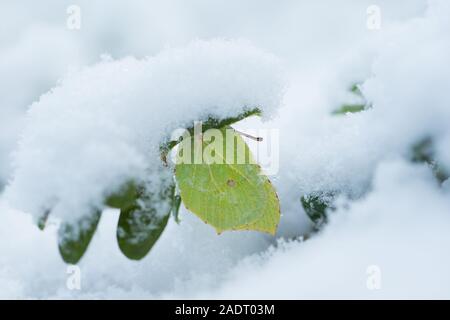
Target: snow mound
[407, 90]
[104, 124]
[390, 245]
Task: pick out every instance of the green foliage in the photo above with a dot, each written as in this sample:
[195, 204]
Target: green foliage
[316, 208]
[214, 123]
[42, 221]
[74, 239]
[229, 195]
[351, 108]
[141, 223]
[125, 197]
[176, 207]
[423, 152]
[355, 89]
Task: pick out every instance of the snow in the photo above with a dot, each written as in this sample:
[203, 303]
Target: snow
[392, 216]
[31, 67]
[103, 126]
[404, 236]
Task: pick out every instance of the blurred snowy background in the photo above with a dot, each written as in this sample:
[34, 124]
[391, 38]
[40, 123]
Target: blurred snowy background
[392, 222]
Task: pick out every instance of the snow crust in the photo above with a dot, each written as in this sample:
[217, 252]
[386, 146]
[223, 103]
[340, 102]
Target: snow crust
[103, 126]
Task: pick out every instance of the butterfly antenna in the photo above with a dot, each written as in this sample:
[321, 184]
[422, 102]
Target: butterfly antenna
[259, 139]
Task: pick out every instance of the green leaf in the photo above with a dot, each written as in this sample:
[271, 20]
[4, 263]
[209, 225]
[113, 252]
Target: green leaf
[141, 224]
[349, 108]
[42, 220]
[74, 239]
[176, 207]
[355, 89]
[440, 173]
[423, 152]
[215, 123]
[224, 192]
[352, 108]
[315, 207]
[125, 197]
